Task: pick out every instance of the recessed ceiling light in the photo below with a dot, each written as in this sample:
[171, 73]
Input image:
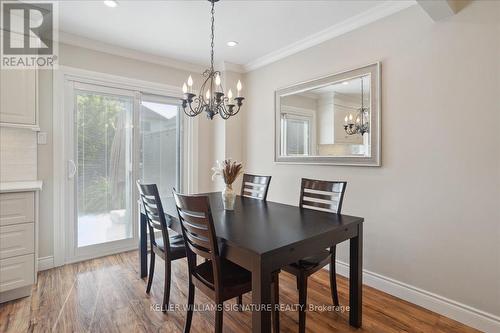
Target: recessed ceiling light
[232, 43]
[111, 3]
[345, 82]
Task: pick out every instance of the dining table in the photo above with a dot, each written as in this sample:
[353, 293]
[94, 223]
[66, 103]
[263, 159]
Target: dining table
[264, 236]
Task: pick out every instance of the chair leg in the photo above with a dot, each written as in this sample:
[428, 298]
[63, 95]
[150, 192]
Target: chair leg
[218, 317]
[302, 303]
[275, 303]
[166, 288]
[240, 303]
[190, 305]
[151, 271]
[333, 281]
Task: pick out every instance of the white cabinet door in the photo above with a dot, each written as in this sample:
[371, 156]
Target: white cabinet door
[17, 207]
[17, 240]
[18, 96]
[17, 272]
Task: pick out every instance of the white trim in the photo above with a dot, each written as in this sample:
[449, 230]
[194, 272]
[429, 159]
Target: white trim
[45, 263]
[34, 128]
[75, 40]
[119, 82]
[463, 313]
[191, 136]
[225, 66]
[386, 8]
[59, 168]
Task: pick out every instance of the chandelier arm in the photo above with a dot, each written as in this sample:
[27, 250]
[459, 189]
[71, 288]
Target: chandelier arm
[237, 110]
[223, 112]
[198, 108]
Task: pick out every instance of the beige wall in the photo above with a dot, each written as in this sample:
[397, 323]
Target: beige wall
[432, 209]
[110, 64]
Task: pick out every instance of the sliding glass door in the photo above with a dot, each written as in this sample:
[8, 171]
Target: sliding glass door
[104, 160]
[115, 137]
[160, 135]
[100, 146]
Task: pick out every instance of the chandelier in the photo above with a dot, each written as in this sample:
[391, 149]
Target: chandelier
[361, 126]
[211, 98]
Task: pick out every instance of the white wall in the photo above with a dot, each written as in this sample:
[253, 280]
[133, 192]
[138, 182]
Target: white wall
[431, 211]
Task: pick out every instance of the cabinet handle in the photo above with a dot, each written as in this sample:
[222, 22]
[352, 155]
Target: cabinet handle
[71, 169]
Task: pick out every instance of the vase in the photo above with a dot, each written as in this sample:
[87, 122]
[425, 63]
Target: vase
[228, 197]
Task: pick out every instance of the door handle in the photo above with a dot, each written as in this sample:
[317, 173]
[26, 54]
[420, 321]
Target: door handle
[71, 169]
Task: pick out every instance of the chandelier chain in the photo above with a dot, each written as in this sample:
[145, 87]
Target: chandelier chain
[212, 37]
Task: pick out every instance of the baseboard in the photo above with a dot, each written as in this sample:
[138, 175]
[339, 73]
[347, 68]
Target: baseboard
[45, 263]
[465, 314]
[15, 294]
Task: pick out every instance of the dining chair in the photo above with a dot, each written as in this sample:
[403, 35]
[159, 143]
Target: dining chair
[324, 196]
[169, 248]
[217, 277]
[255, 186]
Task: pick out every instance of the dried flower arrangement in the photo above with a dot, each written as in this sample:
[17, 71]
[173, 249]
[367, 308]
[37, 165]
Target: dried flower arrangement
[228, 170]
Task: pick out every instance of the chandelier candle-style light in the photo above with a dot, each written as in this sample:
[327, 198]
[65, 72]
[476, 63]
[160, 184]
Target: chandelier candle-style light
[362, 125]
[211, 97]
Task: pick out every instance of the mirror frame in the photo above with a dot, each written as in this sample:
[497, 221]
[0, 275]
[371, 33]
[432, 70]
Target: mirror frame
[375, 119]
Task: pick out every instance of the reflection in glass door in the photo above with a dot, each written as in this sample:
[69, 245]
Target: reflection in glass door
[103, 156]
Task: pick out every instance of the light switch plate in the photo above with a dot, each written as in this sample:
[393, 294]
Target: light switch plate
[42, 138]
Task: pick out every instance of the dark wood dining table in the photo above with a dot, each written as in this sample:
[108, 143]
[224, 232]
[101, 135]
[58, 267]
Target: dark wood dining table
[264, 236]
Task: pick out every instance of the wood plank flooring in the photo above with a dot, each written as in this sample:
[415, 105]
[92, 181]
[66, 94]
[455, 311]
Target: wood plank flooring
[107, 295]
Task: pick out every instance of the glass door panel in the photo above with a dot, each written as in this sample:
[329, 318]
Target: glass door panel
[160, 143]
[103, 162]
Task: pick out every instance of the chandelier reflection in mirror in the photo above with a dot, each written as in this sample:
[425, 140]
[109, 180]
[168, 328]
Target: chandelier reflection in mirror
[211, 98]
[362, 125]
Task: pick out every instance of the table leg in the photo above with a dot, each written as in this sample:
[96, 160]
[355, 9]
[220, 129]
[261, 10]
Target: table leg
[261, 296]
[143, 246]
[355, 277]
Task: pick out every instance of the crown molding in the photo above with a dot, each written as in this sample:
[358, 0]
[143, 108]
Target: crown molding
[225, 66]
[75, 40]
[386, 8]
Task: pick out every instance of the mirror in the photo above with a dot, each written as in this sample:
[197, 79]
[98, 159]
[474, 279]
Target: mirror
[330, 120]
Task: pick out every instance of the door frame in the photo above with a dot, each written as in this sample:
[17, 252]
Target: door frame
[62, 79]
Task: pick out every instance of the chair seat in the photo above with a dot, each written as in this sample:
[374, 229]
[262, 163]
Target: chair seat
[232, 274]
[312, 261]
[177, 248]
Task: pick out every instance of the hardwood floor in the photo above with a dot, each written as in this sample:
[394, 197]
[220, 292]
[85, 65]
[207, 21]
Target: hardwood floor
[107, 295]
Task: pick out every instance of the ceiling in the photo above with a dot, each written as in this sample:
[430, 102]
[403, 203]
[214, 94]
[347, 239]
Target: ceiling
[180, 30]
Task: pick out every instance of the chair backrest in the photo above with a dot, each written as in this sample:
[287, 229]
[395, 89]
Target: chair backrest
[154, 213]
[322, 195]
[255, 186]
[199, 234]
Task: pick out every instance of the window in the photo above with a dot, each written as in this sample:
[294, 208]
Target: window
[295, 132]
